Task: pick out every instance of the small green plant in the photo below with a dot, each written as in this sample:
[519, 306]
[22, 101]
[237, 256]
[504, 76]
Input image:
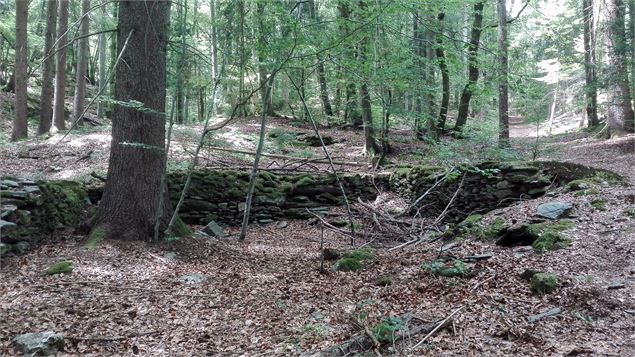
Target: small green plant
[587, 319]
[348, 264]
[61, 267]
[383, 280]
[360, 254]
[550, 240]
[630, 211]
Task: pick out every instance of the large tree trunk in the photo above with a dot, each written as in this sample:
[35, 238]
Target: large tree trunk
[620, 113]
[503, 97]
[21, 77]
[589, 64]
[473, 71]
[48, 70]
[445, 78]
[631, 11]
[130, 201]
[59, 121]
[82, 63]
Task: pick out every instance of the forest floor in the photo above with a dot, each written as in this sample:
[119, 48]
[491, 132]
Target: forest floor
[267, 297]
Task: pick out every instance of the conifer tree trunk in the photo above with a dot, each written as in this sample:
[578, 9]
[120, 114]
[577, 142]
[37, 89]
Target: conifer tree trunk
[621, 119]
[82, 63]
[503, 97]
[48, 70]
[21, 77]
[589, 64]
[473, 69]
[59, 120]
[130, 203]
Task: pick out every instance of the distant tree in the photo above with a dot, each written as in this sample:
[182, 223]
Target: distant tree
[48, 69]
[445, 77]
[473, 67]
[21, 76]
[370, 143]
[620, 116]
[101, 106]
[503, 87]
[321, 73]
[351, 108]
[59, 120]
[82, 65]
[130, 202]
[589, 64]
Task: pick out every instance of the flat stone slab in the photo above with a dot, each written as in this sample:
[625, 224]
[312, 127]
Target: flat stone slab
[214, 230]
[554, 209]
[282, 224]
[6, 225]
[194, 278]
[45, 343]
[551, 312]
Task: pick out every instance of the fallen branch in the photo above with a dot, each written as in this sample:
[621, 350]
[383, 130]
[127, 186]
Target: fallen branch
[441, 324]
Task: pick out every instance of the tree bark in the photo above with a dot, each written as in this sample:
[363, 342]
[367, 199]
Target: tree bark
[130, 202]
[321, 75]
[101, 107]
[621, 119]
[59, 120]
[82, 63]
[370, 143]
[351, 109]
[589, 64]
[21, 76]
[503, 96]
[445, 78]
[473, 69]
[180, 79]
[48, 70]
[631, 11]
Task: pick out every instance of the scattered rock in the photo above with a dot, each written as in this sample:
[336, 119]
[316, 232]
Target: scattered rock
[194, 278]
[282, 225]
[45, 343]
[170, 255]
[483, 256]
[5, 225]
[554, 209]
[551, 312]
[214, 230]
[616, 285]
[4, 249]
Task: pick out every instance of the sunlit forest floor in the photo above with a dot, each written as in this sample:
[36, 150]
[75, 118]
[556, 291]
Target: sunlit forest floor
[267, 297]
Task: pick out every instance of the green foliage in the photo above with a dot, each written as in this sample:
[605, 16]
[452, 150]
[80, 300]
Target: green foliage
[385, 331]
[630, 211]
[543, 283]
[61, 267]
[599, 204]
[360, 254]
[440, 268]
[550, 240]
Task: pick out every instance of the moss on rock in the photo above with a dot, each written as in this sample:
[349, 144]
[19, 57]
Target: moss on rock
[61, 267]
[543, 283]
[97, 235]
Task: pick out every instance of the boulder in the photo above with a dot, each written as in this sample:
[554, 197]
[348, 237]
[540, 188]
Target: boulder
[554, 209]
[45, 343]
[194, 278]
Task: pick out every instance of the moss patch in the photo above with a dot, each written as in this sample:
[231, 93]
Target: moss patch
[550, 240]
[354, 260]
[629, 212]
[61, 267]
[96, 236]
[439, 268]
[599, 204]
[543, 283]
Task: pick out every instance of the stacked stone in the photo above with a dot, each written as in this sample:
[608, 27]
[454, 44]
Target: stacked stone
[30, 210]
[484, 187]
